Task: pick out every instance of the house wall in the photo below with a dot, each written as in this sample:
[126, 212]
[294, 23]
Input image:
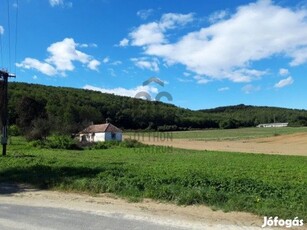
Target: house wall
[272, 125]
[119, 136]
[84, 137]
[108, 136]
[99, 137]
[89, 137]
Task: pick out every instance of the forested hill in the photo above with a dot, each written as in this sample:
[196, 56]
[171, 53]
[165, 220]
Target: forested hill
[247, 115]
[68, 110]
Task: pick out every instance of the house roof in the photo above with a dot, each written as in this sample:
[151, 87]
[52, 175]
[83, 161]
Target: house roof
[101, 128]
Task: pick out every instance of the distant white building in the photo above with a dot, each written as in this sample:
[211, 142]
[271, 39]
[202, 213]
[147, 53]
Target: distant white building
[101, 132]
[272, 125]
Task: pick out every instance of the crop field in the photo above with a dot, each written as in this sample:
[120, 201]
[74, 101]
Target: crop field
[269, 185]
[223, 134]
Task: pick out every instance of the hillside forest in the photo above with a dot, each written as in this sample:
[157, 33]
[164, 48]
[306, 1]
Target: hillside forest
[38, 110]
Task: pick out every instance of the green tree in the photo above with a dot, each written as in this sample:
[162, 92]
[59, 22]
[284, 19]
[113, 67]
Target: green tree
[28, 110]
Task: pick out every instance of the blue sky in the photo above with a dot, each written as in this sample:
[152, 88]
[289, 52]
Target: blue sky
[208, 53]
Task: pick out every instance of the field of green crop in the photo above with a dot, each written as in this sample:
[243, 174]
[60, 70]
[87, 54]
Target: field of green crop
[269, 185]
[226, 134]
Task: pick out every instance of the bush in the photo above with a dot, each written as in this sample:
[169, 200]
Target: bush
[128, 143]
[14, 130]
[98, 145]
[62, 142]
[229, 124]
[57, 142]
[66, 142]
[131, 143]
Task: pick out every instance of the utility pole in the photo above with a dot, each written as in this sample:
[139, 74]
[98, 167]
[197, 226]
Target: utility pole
[4, 75]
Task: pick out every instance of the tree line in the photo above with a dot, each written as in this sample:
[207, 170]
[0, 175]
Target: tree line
[38, 110]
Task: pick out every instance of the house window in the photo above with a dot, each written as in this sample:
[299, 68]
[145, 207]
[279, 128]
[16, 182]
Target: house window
[113, 136]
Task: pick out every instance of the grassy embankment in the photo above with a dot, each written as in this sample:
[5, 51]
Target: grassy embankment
[263, 184]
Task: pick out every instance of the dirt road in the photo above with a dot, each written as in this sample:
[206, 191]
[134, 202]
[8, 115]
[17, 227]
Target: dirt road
[106, 206]
[294, 144]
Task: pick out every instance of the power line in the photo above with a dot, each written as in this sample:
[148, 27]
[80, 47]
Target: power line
[9, 33]
[1, 42]
[16, 33]
[1, 50]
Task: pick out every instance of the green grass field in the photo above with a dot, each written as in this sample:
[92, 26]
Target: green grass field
[227, 134]
[269, 185]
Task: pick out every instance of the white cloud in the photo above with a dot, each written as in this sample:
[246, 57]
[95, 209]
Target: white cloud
[243, 74]
[217, 16]
[153, 33]
[31, 63]
[228, 49]
[124, 42]
[299, 55]
[123, 91]
[147, 34]
[184, 80]
[1, 30]
[116, 63]
[250, 88]
[35, 77]
[84, 45]
[112, 72]
[54, 3]
[93, 64]
[186, 74]
[61, 57]
[106, 60]
[201, 79]
[223, 89]
[171, 20]
[283, 72]
[63, 53]
[144, 14]
[144, 63]
[284, 82]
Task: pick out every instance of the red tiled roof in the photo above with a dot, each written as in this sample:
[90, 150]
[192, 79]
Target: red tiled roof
[101, 128]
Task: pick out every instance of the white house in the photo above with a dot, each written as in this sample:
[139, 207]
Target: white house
[272, 125]
[101, 132]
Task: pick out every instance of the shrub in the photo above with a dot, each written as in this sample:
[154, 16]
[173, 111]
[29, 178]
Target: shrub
[57, 142]
[128, 143]
[229, 124]
[14, 130]
[131, 143]
[98, 145]
[62, 142]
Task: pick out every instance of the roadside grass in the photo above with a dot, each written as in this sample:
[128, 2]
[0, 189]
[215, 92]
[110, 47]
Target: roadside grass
[270, 185]
[219, 134]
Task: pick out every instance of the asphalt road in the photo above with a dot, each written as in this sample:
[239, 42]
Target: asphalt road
[17, 217]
